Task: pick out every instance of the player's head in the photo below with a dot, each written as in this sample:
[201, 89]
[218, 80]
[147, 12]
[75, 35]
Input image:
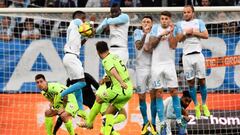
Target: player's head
[185, 99]
[115, 10]
[41, 82]
[79, 15]
[188, 12]
[147, 23]
[102, 48]
[205, 3]
[165, 19]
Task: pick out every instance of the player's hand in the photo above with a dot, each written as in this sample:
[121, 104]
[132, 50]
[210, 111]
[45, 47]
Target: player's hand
[165, 32]
[189, 31]
[124, 85]
[146, 29]
[195, 31]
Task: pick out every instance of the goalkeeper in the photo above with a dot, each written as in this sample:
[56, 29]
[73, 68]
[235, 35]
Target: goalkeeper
[66, 109]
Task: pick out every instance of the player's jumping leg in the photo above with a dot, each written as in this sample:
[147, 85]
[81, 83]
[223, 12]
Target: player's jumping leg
[160, 111]
[203, 91]
[176, 104]
[193, 93]
[49, 125]
[143, 110]
[153, 112]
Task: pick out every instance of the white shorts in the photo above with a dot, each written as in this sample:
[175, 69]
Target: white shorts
[164, 76]
[143, 78]
[194, 66]
[73, 66]
[121, 52]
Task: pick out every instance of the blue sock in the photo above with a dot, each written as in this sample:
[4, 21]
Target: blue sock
[177, 107]
[193, 93]
[153, 111]
[160, 109]
[78, 95]
[203, 91]
[143, 109]
[73, 88]
[77, 88]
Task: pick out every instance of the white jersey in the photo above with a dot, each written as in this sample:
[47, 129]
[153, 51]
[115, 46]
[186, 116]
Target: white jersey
[119, 33]
[162, 54]
[191, 43]
[168, 108]
[143, 59]
[73, 42]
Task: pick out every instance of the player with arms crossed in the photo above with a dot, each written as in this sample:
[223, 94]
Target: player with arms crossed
[66, 110]
[143, 73]
[118, 94]
[163, 70]
[170, 113]
[190, 31]
[71, 61]
[118, 23]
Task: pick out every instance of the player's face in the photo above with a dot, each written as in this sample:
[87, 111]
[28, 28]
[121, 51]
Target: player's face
[41, 84]
[147, 24]
[165, 20]
[187, 13]
[115, 12]
[185, 101]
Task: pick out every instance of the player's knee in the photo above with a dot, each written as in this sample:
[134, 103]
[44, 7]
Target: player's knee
[173, 91]
[99, 100]
[191, 83]
[65, 116]
[202, 81]
[142, 97]
[48, 113]
[159, 93]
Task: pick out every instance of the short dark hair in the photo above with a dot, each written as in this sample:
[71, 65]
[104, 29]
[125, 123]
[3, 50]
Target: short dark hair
[191, 6]
[39, 76]
[148, 16]
[115, 5]
[186, 94]
[166, 13]
[101, 46]
[77, 13]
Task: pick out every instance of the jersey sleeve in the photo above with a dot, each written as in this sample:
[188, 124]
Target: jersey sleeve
[121, 19]
[137, 35]
[178, 29]
[154, 31]
[202, 26]
[77, 22]
[102, 26]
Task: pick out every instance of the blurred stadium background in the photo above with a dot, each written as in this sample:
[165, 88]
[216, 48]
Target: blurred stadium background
[22, 107]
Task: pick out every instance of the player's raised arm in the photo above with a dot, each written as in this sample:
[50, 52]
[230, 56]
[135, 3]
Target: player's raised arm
[102, 26]
[121, 19]
[139, 38]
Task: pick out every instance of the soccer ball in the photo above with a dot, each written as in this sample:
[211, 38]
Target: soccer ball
[86, 29]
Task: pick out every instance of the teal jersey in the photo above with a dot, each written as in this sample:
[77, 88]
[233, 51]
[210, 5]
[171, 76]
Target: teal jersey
[53, 89]
[113, 61]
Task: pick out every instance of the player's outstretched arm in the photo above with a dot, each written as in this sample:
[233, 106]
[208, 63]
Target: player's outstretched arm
[121, 19]
[102, 26]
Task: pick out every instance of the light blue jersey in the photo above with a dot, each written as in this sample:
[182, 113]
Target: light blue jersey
[191, 43]
[143, 59]
[73, 43]
[118, 29]
[162, 54]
